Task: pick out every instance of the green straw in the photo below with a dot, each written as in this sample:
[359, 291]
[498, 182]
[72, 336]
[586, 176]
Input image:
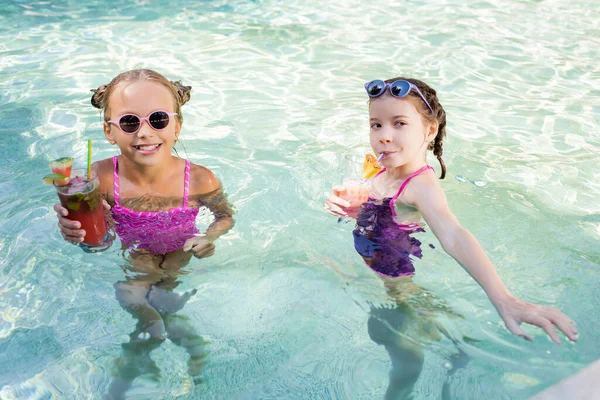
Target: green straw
[89, 160]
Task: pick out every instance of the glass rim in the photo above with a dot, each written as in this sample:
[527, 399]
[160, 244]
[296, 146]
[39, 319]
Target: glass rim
[81, 172]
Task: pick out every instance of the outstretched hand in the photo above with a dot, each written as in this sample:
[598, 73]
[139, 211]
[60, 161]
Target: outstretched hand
[200, 246]
[515, 311]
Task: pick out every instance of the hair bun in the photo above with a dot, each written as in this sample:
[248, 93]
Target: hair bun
[183, 92]
[98, 97]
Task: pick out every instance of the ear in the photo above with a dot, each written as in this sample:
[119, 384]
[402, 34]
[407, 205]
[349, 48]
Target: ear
[432, 132]
[107, 132]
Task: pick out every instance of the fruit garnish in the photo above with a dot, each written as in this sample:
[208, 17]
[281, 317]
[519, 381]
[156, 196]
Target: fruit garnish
[56, 179]
[62, 166]
[370, 166]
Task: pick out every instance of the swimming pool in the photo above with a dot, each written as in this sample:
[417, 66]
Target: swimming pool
[277, 98]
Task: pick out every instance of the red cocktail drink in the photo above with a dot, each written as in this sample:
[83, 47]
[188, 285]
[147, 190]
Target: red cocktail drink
[82, 198]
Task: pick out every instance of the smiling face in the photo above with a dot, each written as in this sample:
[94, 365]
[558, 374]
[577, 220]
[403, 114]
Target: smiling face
[147, 146]
[399, 131]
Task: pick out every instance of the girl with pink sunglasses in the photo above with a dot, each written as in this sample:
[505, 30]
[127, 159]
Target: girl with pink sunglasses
[153, 198]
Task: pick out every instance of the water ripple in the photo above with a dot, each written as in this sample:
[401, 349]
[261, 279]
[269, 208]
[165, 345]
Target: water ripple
[277, 99]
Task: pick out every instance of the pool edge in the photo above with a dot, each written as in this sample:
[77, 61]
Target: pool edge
[583, 384]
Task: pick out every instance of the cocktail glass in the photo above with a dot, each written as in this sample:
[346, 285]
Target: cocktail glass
[82, 198]
[355, 189]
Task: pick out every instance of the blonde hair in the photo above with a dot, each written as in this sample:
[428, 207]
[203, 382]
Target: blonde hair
[101, 96]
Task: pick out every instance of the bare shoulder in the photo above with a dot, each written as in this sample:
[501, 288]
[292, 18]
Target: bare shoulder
[425, 189]
[202, 180]
[104, 169]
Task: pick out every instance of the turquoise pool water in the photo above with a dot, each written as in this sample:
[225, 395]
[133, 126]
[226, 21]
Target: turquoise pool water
[277, 98]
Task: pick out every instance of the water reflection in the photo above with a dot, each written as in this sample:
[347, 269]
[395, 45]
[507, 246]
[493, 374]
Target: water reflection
[147, 294]
[405, 328]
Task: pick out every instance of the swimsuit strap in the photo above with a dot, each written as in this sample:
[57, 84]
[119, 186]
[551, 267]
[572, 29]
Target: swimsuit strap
[393, 199]
[115, 180]
[186, 183]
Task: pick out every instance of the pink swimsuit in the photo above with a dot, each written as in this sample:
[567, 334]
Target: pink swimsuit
[159, 232]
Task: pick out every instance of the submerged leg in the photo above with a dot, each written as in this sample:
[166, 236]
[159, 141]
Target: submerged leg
[134, 361]
[167, 301]
[182, 333]
[457, 361]
[149, 333]
[134, 300]
[178, 327]
[387, 327]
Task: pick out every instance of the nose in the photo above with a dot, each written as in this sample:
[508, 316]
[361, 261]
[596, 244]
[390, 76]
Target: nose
[145, 129]
[385, 136]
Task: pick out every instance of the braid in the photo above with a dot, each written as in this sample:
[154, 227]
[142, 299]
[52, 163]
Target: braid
[437, 151]
[441, 134]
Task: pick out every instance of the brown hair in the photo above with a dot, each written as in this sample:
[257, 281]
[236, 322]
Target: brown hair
[438, 115]
[181, 93]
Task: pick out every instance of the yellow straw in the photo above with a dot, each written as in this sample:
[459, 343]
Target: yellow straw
[89, 160]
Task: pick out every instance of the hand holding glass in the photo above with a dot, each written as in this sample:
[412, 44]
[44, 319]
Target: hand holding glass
[355, 189]
[82, 198]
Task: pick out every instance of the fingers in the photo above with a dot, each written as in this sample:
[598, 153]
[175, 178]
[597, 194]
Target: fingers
[68, 224]
[547, 326]
[335, 205]
[516, 329]
[72, 239]
[204, 251]
[552, 317]
[60, 210]
[335, 210]
[547, 322]
[335, 200]
[564, 324]
[187, 246]
[200, 247]
[61, 214]
[68, 229]
[106, 205]
[72, 236]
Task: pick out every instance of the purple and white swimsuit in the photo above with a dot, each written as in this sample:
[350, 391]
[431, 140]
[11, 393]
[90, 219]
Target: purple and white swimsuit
[386, 245]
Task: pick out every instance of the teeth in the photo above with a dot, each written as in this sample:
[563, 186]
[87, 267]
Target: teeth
[147, 148]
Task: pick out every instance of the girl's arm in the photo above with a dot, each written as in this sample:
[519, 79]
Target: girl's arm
[207, 191]
[466, 250]
[216, 201]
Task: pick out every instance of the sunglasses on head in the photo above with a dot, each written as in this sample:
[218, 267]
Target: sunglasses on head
[131, 123]
[398, 89]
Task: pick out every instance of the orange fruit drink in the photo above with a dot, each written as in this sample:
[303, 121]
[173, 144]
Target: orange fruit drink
[357, 185]
[354, 191]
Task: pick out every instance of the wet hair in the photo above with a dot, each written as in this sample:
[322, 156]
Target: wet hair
[439, 115]
[101, 96]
